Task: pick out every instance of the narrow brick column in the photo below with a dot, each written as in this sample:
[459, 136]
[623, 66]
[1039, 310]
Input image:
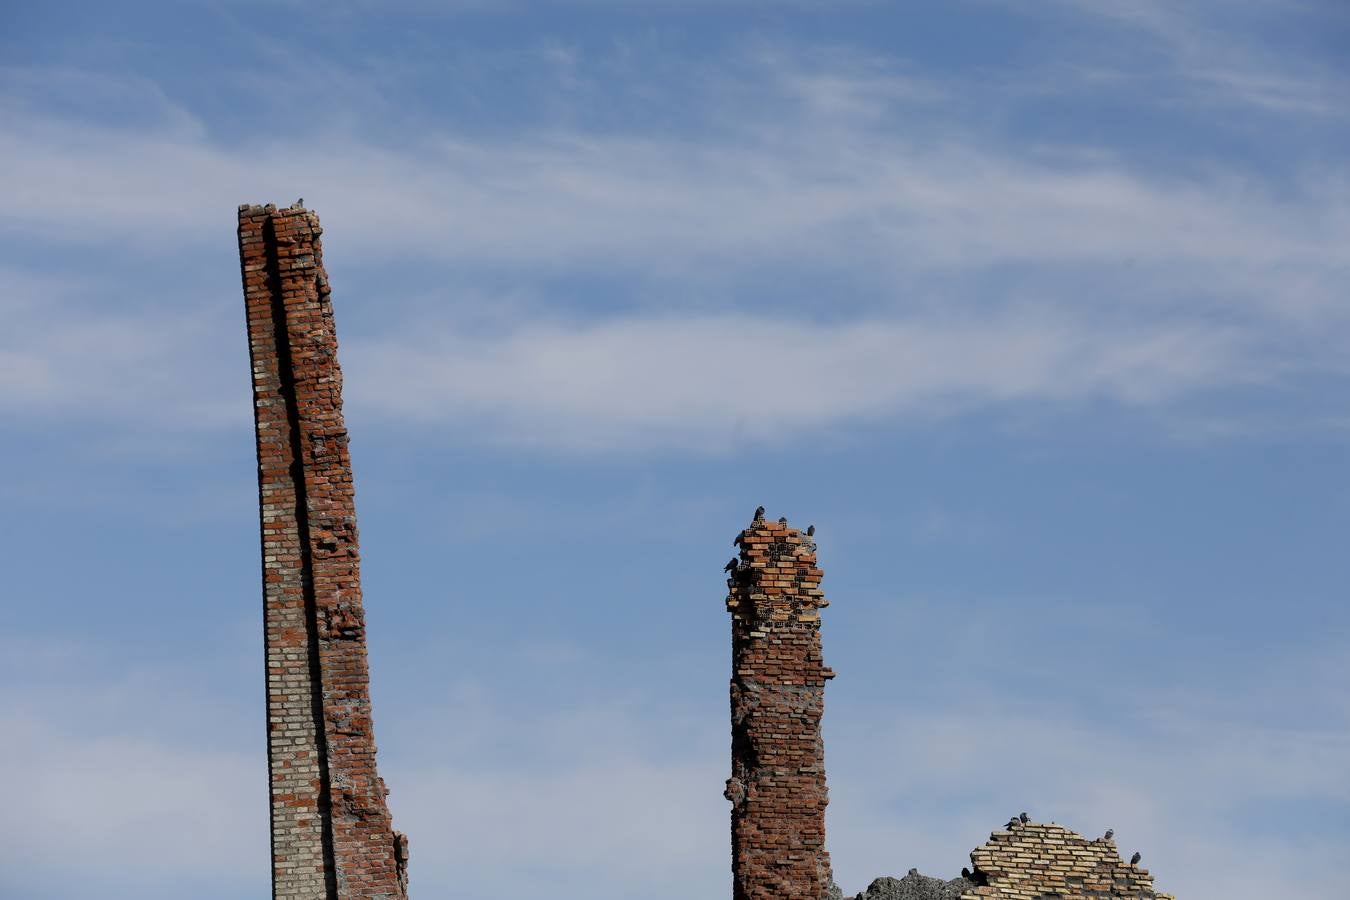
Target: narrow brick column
[332, 838]
[777, 785]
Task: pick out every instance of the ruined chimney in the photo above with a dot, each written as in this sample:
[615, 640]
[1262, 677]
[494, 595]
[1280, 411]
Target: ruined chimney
[777, 785]
[332, 838]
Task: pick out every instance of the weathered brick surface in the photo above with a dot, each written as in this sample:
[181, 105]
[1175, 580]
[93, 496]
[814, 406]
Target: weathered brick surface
[332, 838]
[777, 784]
[1037, 860]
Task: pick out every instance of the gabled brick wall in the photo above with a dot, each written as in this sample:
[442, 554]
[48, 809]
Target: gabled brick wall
[332, 838]
[777, 784]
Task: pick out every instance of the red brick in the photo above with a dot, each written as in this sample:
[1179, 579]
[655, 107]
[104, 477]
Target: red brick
[330, 822]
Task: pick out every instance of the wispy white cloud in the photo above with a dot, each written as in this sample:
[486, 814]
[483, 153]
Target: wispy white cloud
[1220, 52]
[834, 198]
[63, 356]
[839, 83]
[715, 382]
[1220, 271]
[126, 100]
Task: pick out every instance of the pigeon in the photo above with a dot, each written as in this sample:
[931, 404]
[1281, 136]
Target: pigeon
[1110, 833]
[300, 202]
[1134, 860]
[736, 541]
[782, 520]
[1024, 818]
[731, 566]
[1012, 823]
[965, 873]
[810, 531]
[759, 514]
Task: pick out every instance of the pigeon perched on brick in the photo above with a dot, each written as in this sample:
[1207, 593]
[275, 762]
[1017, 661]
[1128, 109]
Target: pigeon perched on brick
[1013, 823]
[759, 514]
[1134, 860]
[782, 520]
[731, 566]
[965, 873]
[810, 531]
[1024, 818]
[300, 202]
[1110, 833]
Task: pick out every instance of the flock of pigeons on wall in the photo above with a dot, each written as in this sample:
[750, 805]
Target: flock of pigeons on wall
[1023, 818]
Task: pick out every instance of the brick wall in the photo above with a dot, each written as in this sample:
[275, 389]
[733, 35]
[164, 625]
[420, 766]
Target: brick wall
[332, 838]
[777, 785]
[1039, 859]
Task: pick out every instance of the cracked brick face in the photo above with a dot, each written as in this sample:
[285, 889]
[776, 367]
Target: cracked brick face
[332, 838]
[777, 785]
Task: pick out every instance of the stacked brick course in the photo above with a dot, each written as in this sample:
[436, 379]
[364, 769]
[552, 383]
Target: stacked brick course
[777, 785]
[332, 838]
[1037, 860]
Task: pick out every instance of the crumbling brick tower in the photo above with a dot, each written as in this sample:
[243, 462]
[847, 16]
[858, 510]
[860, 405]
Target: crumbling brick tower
[777, 785]
[332, 838]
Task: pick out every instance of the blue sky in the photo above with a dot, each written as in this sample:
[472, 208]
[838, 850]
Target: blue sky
[1037, 311]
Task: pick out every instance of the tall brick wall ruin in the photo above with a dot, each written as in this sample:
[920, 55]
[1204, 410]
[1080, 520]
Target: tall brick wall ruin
[777, 785]
[332, 838]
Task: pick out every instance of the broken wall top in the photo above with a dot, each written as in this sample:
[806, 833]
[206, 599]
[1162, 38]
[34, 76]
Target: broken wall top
[1037, 860]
